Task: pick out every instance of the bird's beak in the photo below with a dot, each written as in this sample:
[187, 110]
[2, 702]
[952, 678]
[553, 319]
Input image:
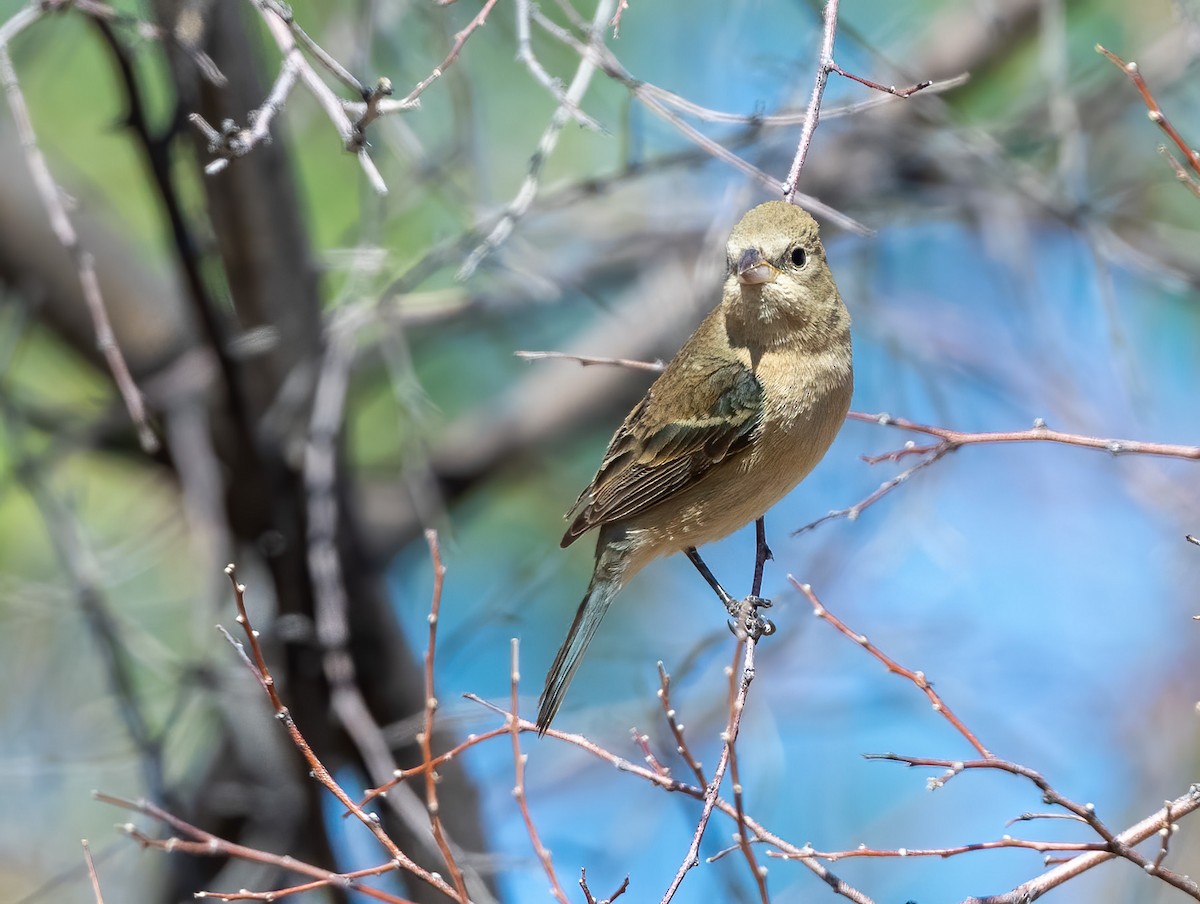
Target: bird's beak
[752, 270]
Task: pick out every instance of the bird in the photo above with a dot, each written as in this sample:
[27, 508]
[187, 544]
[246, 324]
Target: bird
[743, 412]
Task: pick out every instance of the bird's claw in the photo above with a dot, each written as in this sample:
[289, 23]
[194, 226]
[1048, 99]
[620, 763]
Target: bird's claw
[747, 623]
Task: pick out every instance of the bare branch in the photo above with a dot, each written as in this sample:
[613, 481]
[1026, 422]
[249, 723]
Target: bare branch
[526, 194]
[258, 666]
[519, 760]
[425, 737]
[64, 230]
[91, 869]
[1159, 118]
[200, 843]
[744, 652]
[812, 116]
[553, 85]
[916, 677]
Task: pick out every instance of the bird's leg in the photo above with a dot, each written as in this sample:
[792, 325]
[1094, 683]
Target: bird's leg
[730, 604]
[748, 619]
[762, 554]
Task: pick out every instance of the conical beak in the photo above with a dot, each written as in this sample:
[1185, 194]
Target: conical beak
[752, 270]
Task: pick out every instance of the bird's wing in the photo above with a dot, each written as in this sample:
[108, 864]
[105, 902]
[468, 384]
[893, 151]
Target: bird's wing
[657, 453]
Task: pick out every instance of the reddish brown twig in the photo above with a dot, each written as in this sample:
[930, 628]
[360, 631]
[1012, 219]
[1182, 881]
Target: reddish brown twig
[878, 86]
[953, 851]
[916, 677]
[681, 745]
[615, 22]
[205, 844]
[1159, 118]
[1038, 433]
[591, 899]
[643, 743]
[258, 666]
[950, 440]
[519, 759]
[425, 737]
[460, 39]
[1116, 844]
[671, 784]
[812, 116]
[91, 870]
[743, 838]
[745, 653]
[852, 512]
[402, 775]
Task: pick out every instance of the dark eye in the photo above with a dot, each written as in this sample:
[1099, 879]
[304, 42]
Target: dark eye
[798, 257]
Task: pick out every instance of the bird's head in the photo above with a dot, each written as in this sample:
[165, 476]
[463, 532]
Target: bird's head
[778, 282]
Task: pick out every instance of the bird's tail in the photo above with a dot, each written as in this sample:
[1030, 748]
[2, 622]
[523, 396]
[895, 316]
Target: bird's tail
[607, 580]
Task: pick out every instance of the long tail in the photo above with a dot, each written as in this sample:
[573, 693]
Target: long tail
[607, 581]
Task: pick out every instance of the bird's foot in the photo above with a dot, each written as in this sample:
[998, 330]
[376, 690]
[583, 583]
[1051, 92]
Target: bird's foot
[747, 623]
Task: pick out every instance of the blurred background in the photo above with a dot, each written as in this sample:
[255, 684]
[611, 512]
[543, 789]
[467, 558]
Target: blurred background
[326, 384]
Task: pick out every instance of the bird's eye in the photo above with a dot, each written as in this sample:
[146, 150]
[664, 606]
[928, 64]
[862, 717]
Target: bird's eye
[798, 257]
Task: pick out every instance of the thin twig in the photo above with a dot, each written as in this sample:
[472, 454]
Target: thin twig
[1115, 844]
[1169, 827]
[286, 32]
[651, 98]
[681, 745]
[538, 71]
[615, 22]
[587, 361]
[205, 844]
[950, 440]
[852, 512]
[402, 775]
[1038, 433]
[643, 743]
[235, 141]
[729, 738]
[519, 760]
[1159, 118]
[743, 838]
[91, 870]
[877, 86]
[460, 38]
[258, 665]
[672, 784]
[425, 736]
[591, 899]
[520, 204]
[64, 231]
[812, 116]
[813, 113]
[273, 10]
[953, 851]
[916, 677]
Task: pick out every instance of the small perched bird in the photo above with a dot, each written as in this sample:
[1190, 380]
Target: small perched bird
[739, 416]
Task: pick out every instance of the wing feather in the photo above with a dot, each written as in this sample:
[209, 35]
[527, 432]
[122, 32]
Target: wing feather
[652, 456]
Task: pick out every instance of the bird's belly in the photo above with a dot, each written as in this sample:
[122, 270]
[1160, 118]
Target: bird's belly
[736, 491]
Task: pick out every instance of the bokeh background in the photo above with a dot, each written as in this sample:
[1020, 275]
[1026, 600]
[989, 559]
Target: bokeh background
[1031, 256]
